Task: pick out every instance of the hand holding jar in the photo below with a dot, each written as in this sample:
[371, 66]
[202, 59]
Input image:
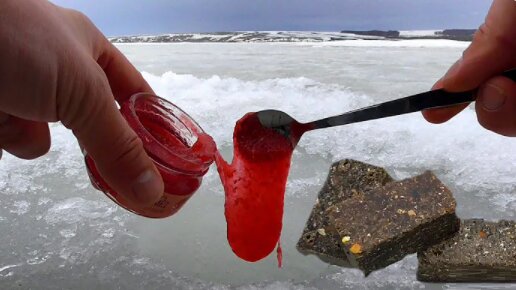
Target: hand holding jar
[177, 145]
[57, 66]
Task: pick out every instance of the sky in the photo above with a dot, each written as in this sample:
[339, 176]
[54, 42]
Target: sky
[136, 17]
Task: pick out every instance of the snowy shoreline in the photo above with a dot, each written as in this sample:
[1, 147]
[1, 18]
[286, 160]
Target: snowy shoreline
[407, 43]
[296, 36]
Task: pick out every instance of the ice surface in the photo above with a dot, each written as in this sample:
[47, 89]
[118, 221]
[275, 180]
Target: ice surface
[58, 232]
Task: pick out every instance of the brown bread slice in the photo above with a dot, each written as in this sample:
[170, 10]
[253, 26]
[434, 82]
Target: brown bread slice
[381, 226]
[481, 251]
[345, 179]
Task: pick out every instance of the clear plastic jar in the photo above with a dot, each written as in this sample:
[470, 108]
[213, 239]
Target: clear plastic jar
[178, 146]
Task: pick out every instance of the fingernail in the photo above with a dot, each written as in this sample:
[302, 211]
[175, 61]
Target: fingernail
[147, 187]
[492, 97]
[452, 72]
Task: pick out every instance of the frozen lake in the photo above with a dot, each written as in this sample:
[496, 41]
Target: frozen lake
[58, 232]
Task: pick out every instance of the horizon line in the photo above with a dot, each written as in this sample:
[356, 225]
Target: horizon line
[329, 31]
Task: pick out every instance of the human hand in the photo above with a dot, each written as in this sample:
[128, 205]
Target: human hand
[55, 65]
[492, 52]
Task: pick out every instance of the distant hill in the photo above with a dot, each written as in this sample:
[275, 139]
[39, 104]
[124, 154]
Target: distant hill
[458, 34]
[453, 34]
[298, 36]
[244, 36]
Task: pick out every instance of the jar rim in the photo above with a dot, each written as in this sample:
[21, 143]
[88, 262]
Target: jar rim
[168, 159]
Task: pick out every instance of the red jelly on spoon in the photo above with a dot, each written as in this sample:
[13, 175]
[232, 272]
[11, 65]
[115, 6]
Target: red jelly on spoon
[255, 185]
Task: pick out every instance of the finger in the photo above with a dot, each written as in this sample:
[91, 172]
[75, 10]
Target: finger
[496, 106]
[124, 79]
[3, 118]
[22, 138]
[442, 115]
[491, 51]
[438, 116]
[117, 151]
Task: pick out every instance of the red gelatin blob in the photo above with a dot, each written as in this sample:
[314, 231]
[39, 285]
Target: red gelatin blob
[254, 184]
[180, 149]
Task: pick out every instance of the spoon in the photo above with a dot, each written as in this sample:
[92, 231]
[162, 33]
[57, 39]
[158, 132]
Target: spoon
[292, 129]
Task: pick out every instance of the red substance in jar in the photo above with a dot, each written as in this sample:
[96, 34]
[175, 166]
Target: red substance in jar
[254, 184]
[181, 151]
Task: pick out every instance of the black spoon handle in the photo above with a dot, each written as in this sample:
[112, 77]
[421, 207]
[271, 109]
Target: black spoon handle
[427, 100]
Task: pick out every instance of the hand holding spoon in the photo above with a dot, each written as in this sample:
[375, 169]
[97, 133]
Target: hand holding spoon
[292, 129]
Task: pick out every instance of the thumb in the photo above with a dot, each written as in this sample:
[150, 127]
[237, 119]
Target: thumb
[496, 106]
[491, 52]
[116, 149]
